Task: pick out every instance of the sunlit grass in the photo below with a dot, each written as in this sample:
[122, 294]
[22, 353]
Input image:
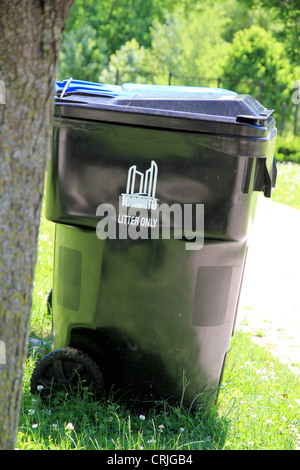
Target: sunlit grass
[287, 189]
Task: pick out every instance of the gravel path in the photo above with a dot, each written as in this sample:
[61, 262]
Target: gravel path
[270, 299]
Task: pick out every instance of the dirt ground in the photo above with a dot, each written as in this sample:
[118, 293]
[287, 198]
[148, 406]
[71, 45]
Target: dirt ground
[270, 299]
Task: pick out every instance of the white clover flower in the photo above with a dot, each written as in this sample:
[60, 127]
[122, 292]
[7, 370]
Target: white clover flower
[70, 427]
[31, 411]
[40, 388]
[182, 429]
[54, 427]
[142, 417]
[34, 426]
[161, 427]
[151, 441]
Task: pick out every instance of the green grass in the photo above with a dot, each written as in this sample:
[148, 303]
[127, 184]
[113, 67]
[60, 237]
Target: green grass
[287, 189]
[258, 406]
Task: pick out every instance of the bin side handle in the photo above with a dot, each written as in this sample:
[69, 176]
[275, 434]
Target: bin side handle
[263, 181]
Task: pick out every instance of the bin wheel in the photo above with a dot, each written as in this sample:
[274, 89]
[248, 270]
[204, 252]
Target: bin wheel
[64, 370]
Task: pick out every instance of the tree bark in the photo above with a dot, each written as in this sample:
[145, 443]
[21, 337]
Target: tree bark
[30, 35]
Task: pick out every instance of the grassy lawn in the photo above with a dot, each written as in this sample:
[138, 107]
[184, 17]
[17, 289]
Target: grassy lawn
[258, 406]
[287, 189]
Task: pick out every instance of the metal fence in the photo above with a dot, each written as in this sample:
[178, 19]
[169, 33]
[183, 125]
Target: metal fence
[285, 109]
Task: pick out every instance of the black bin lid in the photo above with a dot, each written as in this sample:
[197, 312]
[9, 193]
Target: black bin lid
[198, 109]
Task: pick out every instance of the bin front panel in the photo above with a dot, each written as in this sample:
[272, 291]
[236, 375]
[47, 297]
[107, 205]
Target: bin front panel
[153, 305]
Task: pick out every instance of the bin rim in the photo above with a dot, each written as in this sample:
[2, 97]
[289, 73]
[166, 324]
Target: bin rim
[72, 86]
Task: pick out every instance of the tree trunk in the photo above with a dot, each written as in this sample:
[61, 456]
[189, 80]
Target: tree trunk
[30, 34]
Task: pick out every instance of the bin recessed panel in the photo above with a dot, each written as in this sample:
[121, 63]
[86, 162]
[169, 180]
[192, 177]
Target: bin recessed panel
[211, 295]
[69, 278]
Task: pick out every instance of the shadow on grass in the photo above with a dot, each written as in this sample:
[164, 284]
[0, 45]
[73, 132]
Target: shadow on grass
[113, 423]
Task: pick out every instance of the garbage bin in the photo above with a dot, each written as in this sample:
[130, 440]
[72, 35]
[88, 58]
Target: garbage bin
[153, 192]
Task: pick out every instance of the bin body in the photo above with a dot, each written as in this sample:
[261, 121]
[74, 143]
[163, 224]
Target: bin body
[156, 313]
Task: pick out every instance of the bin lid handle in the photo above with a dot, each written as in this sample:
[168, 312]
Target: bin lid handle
[262, 116]
[66, 87]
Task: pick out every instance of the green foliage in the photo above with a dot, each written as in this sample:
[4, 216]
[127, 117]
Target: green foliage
[96, 30]
[132, 61]
[288, 13]
[191, 45]
[175, 49]
[253, 57]
[248, 45]
[82, 54]
[288, 149]
[287, 189]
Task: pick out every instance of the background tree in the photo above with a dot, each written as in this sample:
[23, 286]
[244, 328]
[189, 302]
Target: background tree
[288, 13]
[131, 63]
[82, 54]
[110, 24]
[30, 34]
[255, 58]
[189, 44]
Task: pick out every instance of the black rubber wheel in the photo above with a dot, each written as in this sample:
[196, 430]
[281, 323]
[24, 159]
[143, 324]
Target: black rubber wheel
[67, 369]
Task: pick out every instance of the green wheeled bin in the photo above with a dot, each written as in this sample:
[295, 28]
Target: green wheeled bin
[153, 192]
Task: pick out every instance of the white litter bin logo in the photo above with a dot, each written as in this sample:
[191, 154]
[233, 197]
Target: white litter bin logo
[141, 188]
[2, 353]
[139, 214]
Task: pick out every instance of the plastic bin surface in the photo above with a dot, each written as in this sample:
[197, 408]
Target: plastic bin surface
[209, 146]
